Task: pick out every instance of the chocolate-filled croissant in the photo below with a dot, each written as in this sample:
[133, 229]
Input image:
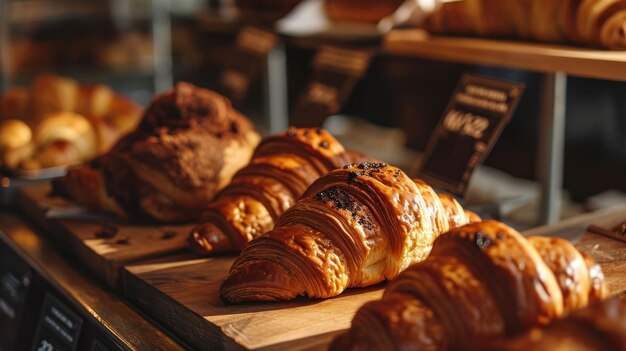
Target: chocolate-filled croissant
[282, 168]
[189, 144]
[481, 281]
[599, 327]
[354, 227]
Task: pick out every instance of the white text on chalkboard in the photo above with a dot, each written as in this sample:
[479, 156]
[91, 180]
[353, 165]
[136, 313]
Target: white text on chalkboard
[465, 123]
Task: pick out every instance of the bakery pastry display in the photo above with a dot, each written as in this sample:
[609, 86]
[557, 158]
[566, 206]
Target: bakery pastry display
[354, 227]
[58, 122]
[282, 168]
[601, 326]
[589, 22]
[368, 11]
[188, 145]
[481, 281]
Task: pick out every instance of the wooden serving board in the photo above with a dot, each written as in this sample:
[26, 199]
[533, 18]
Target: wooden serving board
[102, 243]
[611, 255]
[183, 295]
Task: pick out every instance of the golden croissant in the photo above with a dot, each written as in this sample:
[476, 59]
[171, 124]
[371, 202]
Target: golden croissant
[353, 227]
[599, 327]
[591, 22]
[481, 281]
[281, 169]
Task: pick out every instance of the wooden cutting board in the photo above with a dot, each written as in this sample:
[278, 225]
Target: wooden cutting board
[183, 295]
[611, 255]
[102, 243]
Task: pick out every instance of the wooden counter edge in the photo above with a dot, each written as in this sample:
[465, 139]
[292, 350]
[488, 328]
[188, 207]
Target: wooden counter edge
[105, 310]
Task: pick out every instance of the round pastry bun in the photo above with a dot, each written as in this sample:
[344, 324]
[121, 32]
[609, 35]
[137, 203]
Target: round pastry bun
[70, 127]
[14, 134]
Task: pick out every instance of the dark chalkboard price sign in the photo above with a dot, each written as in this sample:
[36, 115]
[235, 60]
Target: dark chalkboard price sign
[335, 73]
[59, 327]
[477, 113]
[252, 46]
[16, 279]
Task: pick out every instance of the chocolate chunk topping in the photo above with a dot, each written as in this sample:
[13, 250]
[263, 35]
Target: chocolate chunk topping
[483, 241]
[107, 231]
[366, 166]
[353, 175]
[324, 144]
[291, 132]
[342, 200]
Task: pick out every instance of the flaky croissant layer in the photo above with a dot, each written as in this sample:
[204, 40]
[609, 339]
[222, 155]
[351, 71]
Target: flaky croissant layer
[354, 227]
[599, 327]
[481, 281]
[282, 168]
[591, 22]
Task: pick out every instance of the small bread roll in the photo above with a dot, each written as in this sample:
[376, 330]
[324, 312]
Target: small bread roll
[14, 134]
[51, 94]
[12, 158]
[59, 153]
[70, 127]
[123, 114]
[94, 100]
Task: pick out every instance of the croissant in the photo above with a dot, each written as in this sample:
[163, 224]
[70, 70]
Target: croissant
[281, 169]
[590, 22]
[353, 227]
[481, 281]
[187, 147]
[601, 326]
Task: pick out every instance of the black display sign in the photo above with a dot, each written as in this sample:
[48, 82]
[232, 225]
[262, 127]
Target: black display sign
[336, 72]
[16, 279]
[617, 232]
[471, 125]
[59, 327]
[252, 46]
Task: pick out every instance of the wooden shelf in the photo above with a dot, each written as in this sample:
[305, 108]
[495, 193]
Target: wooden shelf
[546, 58]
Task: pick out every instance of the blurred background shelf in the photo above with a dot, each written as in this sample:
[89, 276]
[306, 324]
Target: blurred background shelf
[546, 58]
[554, 62]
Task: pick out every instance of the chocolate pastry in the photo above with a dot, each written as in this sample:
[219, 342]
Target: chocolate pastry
[189, 144]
